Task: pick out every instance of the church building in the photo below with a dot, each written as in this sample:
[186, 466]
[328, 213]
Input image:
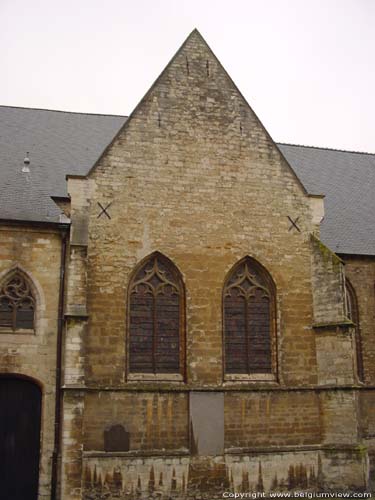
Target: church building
[187, 308]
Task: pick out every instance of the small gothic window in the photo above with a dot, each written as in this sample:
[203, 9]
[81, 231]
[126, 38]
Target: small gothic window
[249, 319]
[17, 304]
[156, 317]
[353, 315]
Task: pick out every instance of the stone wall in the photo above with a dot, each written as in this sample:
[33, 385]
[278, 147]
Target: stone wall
[37, 253]
[184, 478]
[205, 185]
[261, 419]
[328, 285]
[361, 273]
[154, 421]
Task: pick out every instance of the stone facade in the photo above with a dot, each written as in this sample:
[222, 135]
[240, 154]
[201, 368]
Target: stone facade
[194, 175]
[37, 253]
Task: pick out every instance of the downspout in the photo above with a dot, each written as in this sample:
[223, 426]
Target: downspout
[60, 328]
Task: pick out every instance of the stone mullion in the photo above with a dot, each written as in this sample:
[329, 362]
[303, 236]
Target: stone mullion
[247, 333]
[154, 332]
[14, 316]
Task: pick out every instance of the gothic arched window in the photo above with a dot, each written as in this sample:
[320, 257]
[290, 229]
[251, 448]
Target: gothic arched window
[156, 317]
[352, 314]
[249, 320]
[17, 303]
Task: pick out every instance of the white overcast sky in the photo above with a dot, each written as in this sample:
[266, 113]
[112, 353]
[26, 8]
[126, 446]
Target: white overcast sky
[307, 67]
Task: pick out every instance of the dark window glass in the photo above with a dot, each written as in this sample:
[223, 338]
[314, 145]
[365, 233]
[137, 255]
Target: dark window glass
[248, 319]
[155, 317]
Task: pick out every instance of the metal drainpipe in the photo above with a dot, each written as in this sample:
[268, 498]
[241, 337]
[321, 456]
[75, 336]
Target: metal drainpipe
[60, 327]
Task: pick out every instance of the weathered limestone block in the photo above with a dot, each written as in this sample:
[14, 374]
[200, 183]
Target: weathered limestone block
[276, 471]
[135, 478]
[276, 418]
[72, 444]
[367, 413]
[154, 421]
[346, 470]
[339, 417]
[207, 478]
[77, 281]
[334, 339]
[207, 423]
[79, 190]
[74, 366]
[315, 470]
[328, 285]
[76, 316]
[335, 356]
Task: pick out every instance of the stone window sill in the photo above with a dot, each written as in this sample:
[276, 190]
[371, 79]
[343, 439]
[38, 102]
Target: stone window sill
[19, 331]
[254, 377]
[155, 377]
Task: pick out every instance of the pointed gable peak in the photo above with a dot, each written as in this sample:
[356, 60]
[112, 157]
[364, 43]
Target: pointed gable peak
[195, 74]
[196, 36]
[197, 33]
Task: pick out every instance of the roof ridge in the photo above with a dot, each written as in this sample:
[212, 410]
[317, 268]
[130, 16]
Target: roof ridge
[325, 148]
[62, 111]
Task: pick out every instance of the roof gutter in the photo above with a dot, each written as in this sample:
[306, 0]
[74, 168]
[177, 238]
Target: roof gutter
[34, 223]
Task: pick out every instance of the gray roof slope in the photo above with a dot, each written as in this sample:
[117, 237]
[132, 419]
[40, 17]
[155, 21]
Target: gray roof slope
[63, 143]
[347, 179]
[58, 143]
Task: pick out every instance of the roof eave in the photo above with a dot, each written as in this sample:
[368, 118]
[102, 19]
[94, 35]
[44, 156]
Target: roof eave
[61, 226]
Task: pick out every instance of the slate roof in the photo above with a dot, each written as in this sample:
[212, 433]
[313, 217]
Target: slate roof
[58, 143]
[61, 143]
[347, 179]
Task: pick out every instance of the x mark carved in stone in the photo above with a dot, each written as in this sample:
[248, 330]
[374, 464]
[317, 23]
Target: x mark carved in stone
[294, 224]
[104, 210]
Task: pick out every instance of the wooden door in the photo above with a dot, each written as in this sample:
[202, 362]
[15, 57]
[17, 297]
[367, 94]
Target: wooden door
[20, 412]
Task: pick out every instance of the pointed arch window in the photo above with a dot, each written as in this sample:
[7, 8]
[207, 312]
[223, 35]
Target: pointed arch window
[156, 318]
[17, 304]
[353, 315]
[249, 321]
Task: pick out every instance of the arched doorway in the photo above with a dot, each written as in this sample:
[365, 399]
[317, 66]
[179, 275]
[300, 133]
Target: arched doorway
[20, 413]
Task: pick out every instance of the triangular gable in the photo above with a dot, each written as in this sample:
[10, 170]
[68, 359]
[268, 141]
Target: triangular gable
[194, 34]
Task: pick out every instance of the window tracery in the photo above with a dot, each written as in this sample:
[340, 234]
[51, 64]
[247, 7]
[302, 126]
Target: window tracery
[17, 304]
[156, 318]
[249, 320]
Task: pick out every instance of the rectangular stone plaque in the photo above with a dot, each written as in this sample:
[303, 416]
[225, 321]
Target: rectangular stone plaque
[207, 423]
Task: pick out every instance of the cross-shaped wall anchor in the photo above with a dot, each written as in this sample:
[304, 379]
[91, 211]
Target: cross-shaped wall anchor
[294, 224]
[104, 210]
